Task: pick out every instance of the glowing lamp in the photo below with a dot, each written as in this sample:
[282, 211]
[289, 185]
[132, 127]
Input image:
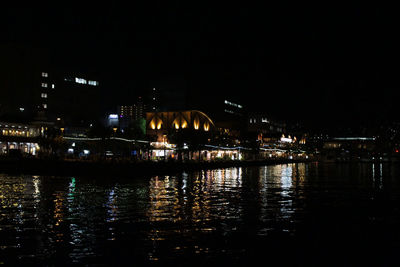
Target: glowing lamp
[206, 127]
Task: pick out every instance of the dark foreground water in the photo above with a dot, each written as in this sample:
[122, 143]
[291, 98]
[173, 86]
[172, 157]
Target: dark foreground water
[294, 214]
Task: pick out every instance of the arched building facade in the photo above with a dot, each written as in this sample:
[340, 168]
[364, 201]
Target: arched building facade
[163, 123]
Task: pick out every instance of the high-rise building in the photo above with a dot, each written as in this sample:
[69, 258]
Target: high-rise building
[153, 101]
[34, 89]
[139, 109]
[169, 93]
[260, 122]
[130, 113]
[43, 86]
[73, 99]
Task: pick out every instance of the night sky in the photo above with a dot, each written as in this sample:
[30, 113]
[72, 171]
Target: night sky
[324, 65]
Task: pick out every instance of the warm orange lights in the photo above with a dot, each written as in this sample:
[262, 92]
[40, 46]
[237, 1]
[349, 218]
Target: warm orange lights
[156, 124]
[196, 123]
[178, 120]
[184, 124]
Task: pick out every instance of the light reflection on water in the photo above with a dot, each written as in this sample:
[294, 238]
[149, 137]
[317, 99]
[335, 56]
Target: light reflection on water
[202, 214]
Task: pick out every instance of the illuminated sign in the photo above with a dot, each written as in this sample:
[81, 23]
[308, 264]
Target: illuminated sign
[113, 116]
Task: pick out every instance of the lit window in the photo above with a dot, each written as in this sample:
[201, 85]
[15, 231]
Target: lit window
[232, 104]
[80, 80]
[44, 85]
[94, 83]
[44, 106]
[45, 74]
[44, 95]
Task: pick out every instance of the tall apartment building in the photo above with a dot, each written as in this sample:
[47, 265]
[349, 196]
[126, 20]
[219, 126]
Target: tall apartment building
[70, 98]
[130, 113]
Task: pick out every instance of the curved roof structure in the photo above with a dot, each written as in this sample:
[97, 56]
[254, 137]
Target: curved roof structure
[191, 119]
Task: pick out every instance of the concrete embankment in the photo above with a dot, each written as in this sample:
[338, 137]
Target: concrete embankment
[119, 168]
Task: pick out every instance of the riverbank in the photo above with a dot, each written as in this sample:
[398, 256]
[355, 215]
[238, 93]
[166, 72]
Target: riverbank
[51, 167]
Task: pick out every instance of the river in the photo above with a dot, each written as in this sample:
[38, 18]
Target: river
[291, 214]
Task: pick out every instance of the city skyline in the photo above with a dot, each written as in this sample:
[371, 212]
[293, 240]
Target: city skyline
[192, 133]
[321, 67]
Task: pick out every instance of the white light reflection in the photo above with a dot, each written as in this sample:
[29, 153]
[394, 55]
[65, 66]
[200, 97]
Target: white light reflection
[373, 174]
[112, 209]
[286, 184]
[184, 182]
[239, 177]
[36, 183]
[36, 196]
[286, 179]
[380, 176]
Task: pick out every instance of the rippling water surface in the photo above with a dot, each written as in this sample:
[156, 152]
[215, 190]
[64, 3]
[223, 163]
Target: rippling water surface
[294, 214]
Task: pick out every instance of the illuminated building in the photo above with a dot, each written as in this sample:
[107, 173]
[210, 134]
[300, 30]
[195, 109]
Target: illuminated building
[112, 120]
[153, 101]
[57, 97]
[130, 113]
[125, 114]
[23, 137]
[265, 128]
[36, 87]
[262, 123]
[75, 99]
[228, 114]
[163, 123]
[350, 143]
[350, 148]
[45, 90]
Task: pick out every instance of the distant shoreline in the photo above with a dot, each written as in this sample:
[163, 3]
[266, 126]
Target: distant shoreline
[53, 167]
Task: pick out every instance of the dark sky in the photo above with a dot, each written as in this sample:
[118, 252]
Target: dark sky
[323, 64]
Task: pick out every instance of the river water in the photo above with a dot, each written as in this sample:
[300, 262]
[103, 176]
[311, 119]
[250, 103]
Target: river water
[290, 214]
